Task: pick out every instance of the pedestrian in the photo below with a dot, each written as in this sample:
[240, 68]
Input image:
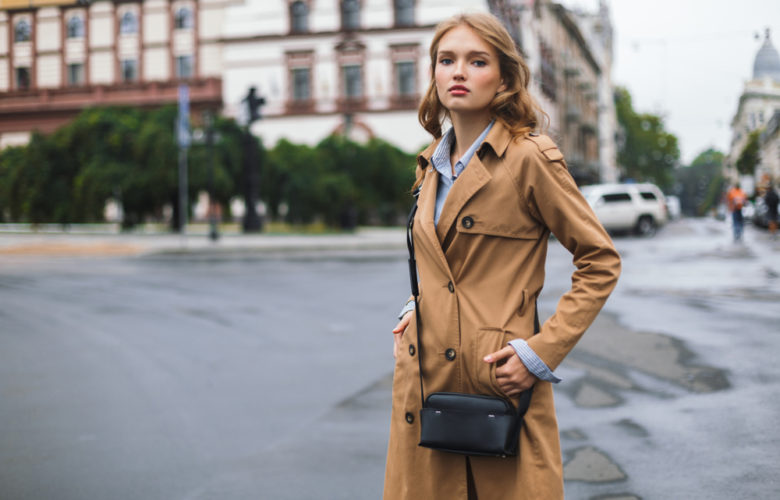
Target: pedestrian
[771, 200]
[736, 199]
[492, 190]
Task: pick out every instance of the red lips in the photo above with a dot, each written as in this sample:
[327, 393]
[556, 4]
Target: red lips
[458, 90]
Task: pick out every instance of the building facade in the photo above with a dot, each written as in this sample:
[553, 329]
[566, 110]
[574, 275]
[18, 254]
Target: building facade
[360, 67]
[59, 56]
[356, 67]
[756, 111]
[597, 30]
[566, 83]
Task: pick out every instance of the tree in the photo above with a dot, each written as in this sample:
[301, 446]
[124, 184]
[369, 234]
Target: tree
[131, 155]
[750, 156]
[37, 183]
[339, 180]
[699, 185]
[647, 152]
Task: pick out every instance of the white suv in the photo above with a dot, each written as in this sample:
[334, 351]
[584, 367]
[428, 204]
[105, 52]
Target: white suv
[627, 207]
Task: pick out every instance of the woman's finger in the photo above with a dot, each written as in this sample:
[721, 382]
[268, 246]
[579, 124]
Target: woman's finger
[499, 355]
[401, 326]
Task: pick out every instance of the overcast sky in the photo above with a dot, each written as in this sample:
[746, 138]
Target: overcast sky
[688, 60]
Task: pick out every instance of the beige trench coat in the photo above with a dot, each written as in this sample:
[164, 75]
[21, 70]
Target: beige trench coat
[481, 269]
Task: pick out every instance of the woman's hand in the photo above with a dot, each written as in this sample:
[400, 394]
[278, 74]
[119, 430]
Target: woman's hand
[398, 332]
[511, 374]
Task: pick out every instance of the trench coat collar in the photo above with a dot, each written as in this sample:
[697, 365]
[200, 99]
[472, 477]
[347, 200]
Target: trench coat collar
[498, 139]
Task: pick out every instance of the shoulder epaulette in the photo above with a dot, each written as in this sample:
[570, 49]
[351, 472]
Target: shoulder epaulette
[546, 146]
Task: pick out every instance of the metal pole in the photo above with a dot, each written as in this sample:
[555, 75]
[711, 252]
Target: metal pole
[213, 229]
[183, 190]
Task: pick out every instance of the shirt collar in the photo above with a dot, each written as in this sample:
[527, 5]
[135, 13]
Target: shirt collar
[441, 156]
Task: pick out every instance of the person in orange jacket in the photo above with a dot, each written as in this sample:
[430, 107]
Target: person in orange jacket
[736, 199]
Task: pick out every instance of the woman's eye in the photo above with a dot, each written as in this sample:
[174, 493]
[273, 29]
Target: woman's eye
[479, 64]
[445, 61]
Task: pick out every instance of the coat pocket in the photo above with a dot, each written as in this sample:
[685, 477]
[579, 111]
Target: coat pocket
[486, 341]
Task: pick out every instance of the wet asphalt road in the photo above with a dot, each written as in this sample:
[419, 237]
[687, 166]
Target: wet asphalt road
[245, 376]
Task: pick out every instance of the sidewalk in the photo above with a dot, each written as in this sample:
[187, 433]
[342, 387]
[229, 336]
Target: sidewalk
[70, 244]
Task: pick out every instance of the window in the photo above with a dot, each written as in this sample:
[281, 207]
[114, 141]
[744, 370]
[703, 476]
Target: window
[184, 19]
[350, 14]
[353, 81]
[129, 70]
[75, 27]
[184, 67]
[76, 74]
[301, 79]
[404, 12]
[548, 79]
[647, 195]
[405, 74]
[128, 24]
[299, 14]
[22, 78]
[616, 198]
[22, 31]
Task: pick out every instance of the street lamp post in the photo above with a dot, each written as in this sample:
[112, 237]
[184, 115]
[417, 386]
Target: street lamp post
[210, 136]
[252, 222]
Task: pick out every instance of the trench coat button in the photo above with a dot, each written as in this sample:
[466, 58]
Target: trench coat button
[467, 222]
[411, 349]
[451, 287]
[449, 354]
[409, 418]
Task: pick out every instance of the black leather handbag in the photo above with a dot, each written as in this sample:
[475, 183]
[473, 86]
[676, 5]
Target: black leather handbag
[469, 424]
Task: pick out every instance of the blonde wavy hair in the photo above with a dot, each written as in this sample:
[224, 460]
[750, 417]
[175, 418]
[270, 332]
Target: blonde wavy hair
[513, 107]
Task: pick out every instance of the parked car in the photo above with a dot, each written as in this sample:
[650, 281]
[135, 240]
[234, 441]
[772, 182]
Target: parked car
[760, 216]
[640, 208]
[673, 207]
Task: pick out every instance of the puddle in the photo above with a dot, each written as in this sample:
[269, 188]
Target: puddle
[609, 352]
[591, 465]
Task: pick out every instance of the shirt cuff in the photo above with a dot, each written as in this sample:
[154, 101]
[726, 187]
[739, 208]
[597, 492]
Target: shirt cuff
[531, 361]
[408, 307]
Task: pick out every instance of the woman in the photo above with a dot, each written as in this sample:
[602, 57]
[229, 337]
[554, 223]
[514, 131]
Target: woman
[480, 245]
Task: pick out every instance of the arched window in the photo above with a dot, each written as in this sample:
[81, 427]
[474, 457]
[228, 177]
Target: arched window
[184, 19]
[75, 27]
[22, 31]
[404, 12]
[128, 24]
[350, 14]
[299, 15]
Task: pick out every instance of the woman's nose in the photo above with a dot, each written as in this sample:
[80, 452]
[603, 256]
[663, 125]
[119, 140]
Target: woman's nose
[459, 73]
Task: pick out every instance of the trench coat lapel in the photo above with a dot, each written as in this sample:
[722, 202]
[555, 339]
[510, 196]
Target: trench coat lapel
[427, 206]
[468, 183]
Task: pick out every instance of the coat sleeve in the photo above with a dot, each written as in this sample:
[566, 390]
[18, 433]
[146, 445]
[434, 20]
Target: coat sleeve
[554, 200]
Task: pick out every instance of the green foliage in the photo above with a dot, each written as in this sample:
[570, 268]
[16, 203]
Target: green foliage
[700, 184]
[131, 155]
[647, 153]
[123, 153]
[749, 157]
[338, 181]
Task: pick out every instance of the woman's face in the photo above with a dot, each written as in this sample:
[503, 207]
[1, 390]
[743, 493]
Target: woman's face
[467, 72]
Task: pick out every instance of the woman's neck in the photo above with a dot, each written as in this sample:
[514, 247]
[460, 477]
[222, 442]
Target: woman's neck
[466, 129]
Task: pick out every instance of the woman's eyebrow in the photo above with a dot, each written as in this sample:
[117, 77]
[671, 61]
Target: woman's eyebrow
[473, 53]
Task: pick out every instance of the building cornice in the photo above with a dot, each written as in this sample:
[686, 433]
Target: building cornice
[417, 29]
